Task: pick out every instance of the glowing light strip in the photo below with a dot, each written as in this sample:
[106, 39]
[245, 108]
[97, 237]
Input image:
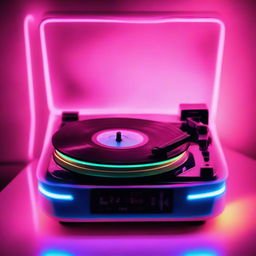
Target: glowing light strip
[208, 194]
[54, 195]
[80, 169]
[120, 165]
[55, 253]
[218, 68]
[27, 21]
[49, 94]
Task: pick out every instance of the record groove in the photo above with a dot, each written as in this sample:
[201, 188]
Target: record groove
[75, 140]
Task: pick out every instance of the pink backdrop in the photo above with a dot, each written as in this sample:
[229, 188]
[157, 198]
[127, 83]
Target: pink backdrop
[131, 67]
[236, 120]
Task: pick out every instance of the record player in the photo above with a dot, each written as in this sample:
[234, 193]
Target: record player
[131, 133]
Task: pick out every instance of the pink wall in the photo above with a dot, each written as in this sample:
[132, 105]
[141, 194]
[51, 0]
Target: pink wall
[236, 112]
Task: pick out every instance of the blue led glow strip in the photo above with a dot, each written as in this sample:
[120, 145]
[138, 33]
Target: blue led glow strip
[207, 194]
[54, 195]
[55, 253]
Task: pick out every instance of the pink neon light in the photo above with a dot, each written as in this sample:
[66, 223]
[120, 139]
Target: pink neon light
[27, 21]
[53, 109]
[218, 73]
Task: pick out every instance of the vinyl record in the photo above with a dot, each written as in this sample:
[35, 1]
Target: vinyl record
[115, 141]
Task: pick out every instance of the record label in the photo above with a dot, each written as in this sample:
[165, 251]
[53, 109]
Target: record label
[120, 138]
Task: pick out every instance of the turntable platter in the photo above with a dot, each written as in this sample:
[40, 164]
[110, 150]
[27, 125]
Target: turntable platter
[117, 146]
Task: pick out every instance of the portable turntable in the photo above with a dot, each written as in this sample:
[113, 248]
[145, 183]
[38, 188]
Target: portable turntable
[130, 136]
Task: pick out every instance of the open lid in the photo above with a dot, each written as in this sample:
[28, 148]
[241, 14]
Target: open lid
[131, 64]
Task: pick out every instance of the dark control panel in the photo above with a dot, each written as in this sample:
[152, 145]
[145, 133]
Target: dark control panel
[137, 201]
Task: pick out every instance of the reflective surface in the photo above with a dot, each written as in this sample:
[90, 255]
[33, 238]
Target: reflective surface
[25, 230]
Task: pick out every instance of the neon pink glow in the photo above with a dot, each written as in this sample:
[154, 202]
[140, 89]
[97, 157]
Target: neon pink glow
[27, 22]
[61, 98]
[90, 70]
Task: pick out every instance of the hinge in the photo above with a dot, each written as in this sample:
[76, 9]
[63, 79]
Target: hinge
[70, 116]
[198, 112]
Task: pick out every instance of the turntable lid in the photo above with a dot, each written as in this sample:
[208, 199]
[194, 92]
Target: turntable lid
[131, 64]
